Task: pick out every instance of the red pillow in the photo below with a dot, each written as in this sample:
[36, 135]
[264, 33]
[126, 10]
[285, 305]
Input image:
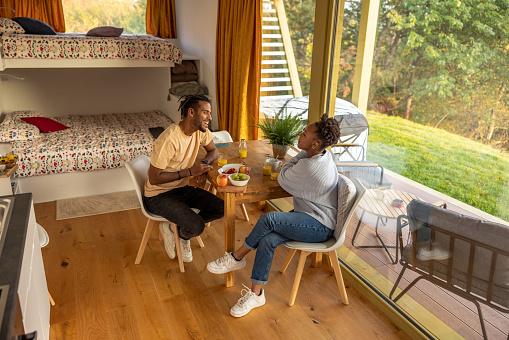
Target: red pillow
[45, 124]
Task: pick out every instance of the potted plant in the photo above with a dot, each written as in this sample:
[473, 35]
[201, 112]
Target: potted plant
[281, 131]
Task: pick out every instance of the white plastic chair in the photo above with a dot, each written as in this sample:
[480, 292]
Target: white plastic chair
[138, 169]
[224, 136]
[328, 247]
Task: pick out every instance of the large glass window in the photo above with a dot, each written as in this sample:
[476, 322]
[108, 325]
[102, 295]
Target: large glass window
[439, 120]
[438, 114]
[83, 15]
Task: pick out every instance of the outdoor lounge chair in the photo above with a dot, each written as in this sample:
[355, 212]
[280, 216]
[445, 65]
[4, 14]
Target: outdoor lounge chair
[478, 265]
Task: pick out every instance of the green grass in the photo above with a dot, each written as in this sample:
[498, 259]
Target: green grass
[469, 171]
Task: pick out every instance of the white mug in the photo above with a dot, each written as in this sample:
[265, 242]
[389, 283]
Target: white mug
[380, 194]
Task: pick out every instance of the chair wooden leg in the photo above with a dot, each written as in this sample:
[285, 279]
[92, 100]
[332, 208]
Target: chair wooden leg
[244, 212]
[288, 259]
[144, 240]
[330, 265]
[200, 241]
[51, 301]
[298, 276]
[177, 248]
[339, 276]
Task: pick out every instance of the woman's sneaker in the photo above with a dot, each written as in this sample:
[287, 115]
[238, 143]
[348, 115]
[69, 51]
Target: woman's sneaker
[248, 301]
[437, 254]
[187, 254]
[168, 239]
[226, 264]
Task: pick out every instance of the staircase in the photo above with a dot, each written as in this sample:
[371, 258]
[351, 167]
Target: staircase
[279, 71]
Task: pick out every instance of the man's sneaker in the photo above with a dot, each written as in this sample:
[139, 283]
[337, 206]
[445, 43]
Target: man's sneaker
[437, 254]
[187, 253]
[226, 264]
[248, 301]
[168, 238]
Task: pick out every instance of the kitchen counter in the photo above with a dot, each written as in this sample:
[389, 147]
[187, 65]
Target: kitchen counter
[11, 258]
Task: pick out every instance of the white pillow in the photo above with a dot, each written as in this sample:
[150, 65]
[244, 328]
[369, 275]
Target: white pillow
[10, 26]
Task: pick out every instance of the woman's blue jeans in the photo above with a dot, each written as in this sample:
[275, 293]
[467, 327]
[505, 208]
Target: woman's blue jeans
[276, 228]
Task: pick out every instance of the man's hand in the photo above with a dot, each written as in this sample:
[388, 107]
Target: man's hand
[200, 180]
[200, 169]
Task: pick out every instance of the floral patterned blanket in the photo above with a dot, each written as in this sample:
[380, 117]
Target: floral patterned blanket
[80, 46]
[92, 142]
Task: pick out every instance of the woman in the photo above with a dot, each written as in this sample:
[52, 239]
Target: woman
[311, 177]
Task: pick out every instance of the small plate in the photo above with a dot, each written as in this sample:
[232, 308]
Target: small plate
[227, 167]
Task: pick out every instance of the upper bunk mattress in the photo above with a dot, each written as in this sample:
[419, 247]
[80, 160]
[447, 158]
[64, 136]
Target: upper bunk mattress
[92, 142]
[80, 46]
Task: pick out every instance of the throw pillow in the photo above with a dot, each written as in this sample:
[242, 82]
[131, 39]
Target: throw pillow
[10, 26]
[105, 31]
[45, 124]
[187, 66]
[34, 26]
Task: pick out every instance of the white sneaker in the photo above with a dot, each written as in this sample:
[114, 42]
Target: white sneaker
[437, 254]
[226, 264]
[187, 253]
[248, 301]
[168, 238]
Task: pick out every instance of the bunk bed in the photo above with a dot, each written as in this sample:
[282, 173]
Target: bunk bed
[73, 174]
[74, 50]
[85, 143]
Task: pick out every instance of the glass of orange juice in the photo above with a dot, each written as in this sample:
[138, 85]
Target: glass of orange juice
[275, 172]
[221, 160]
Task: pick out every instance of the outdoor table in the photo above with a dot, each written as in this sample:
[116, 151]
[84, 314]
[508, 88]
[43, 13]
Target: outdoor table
[259, 188]
[382, 209]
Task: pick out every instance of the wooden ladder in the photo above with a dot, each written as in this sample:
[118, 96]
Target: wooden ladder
[279, 71]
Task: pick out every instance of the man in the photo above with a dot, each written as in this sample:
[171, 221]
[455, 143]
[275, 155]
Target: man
[167, 192]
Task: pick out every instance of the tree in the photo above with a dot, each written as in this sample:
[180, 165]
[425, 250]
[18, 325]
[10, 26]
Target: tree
[83, 15]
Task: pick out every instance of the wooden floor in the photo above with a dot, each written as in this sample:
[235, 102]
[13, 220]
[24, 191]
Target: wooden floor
[101, 294]
[458, 313]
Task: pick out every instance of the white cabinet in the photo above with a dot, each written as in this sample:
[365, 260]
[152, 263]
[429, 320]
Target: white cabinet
[33, 290]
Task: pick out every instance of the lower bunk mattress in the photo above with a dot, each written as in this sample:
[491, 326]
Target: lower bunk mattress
[92, 142]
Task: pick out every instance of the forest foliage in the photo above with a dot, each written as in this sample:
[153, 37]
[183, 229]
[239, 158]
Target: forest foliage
[83, 15]
[439, 63]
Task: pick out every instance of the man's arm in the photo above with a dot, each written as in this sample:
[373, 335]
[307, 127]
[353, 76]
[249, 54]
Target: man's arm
[159, 176]
[212, 153]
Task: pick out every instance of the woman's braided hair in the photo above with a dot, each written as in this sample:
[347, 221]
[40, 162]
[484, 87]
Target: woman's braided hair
[188, 101]
[327, 131]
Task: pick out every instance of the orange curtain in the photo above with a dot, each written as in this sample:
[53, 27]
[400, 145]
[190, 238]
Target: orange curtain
[48, 11]
[160, 18]
[238, 66]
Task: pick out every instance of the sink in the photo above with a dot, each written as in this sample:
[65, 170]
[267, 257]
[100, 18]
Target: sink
[5, 216]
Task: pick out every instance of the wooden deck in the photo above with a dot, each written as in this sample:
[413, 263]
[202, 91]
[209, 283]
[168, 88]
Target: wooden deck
[101, 294]
[458, 313]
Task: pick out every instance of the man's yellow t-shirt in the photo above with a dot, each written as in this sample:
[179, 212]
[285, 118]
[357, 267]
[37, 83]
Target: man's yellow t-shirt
[174, 151]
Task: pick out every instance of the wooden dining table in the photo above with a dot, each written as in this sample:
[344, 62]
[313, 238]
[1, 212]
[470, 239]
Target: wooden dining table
[259, 188]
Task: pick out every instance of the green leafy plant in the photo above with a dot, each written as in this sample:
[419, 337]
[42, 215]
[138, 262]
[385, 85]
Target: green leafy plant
[283, 129]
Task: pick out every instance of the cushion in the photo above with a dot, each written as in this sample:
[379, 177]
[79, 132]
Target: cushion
[13, 129]
[105, 31]
[346, 198]
[45, 124]
[188, 88]
[422, 215]
[187, 66]
[177, 78]
[34, 26]
[10, 26]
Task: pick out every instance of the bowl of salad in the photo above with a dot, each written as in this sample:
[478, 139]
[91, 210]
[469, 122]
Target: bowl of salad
[239, 180]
